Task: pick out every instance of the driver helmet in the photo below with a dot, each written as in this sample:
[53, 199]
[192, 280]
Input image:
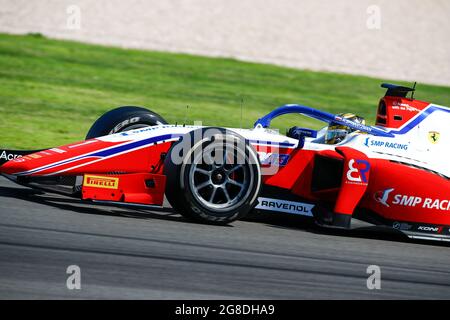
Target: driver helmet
[336, 132]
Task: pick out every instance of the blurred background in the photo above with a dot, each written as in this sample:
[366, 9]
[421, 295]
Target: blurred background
[404, 40]
[400, 39]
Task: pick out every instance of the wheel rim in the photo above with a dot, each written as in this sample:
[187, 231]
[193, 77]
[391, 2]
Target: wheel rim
[220, 185]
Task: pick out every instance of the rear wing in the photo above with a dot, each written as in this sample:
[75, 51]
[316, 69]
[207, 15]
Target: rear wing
[394, 90]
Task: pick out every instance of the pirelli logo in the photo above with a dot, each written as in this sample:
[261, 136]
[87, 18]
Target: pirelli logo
[100, 182]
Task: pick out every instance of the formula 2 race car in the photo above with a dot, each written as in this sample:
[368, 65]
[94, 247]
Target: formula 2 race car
[394, 174]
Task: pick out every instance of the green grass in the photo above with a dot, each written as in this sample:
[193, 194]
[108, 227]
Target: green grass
[51, 91]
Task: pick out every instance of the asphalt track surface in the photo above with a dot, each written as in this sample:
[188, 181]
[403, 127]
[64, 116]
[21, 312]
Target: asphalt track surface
[139, 254]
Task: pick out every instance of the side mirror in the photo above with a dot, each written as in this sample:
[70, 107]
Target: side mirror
[300, 134]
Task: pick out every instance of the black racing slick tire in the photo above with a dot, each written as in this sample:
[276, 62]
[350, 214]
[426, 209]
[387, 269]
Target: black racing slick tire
[124, 119]
[213, 176]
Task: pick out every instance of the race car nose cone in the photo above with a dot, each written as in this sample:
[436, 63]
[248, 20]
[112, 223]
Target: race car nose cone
[13, 167]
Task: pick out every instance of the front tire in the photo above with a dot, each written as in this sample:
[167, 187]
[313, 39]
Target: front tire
[124, 119]
[118, 120]
[213, 176]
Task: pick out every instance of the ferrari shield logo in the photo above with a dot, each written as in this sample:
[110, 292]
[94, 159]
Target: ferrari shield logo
[433, 137]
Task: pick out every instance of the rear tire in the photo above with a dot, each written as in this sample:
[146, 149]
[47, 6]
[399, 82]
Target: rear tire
[124, 119]
[202, 186]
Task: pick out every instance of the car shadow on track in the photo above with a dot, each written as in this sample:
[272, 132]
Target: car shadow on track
[285, 221]
[85, 207]
[275, 221]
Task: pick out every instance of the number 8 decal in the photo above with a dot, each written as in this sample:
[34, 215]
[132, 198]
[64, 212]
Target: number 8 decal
[360, 172]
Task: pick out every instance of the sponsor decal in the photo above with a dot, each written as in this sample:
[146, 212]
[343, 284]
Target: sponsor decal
[434, 229]
[385, 199]
[82, 144]
[9, 156]
[357, 171]
[146, 129]
[404, 106]
[293, 207]
[402, 226]
[383, 196]
[386, 144]
[268, 158]
[57, 150]
[425, 203]
[100, 182]
[353, 124]
[433, 137]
